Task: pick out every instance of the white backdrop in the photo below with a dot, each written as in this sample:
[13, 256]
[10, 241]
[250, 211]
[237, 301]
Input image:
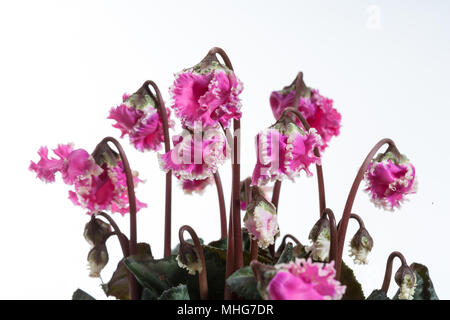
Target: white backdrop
[64, 64]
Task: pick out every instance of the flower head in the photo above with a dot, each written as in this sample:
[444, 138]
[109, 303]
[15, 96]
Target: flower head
[284, 150]
[261, 219]
[360, 246]
[389, 178]
[196, 156]
[305, 280]
[320, 237]
[97, 259]
[317, 110]
[138, 117]
[99, 180]
[209, 93]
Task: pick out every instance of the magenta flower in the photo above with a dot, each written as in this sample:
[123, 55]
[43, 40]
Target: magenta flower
[196, 158]
[138, 118]
[96, 187]
[284, 150]
[305, 280]
[317, 110]
[195, 186]
[389, 179]
[209, 96]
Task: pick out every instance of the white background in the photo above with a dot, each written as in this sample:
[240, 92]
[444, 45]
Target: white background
[64, 64]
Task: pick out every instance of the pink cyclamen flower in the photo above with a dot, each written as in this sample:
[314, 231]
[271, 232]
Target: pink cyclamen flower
[317, 110]
[209, 95]
[284, 150]
[305, 280]
[196, 157]
[138, 118]
[389, 179]
[195, 186]
[96, 187]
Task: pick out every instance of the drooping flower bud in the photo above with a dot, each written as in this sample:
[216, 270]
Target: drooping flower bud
[315, 108]
[138, 117]
[261, 219]
[305, 280]
[284, 150]
[360, 246]
[406, 279]
[389, 179]
[208, 92]
[188, 258]
[320, 237]
[97, 259]
[96, 230]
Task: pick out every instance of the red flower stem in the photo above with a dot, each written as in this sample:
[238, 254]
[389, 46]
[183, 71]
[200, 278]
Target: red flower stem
[134, 287]
[351, 198]
[333, 233]
[357, 218]
[168, 206]
[230, 255]
[321, 184]
[202, 277]
[122, 238]
[236, 176]
[223, 212]
[388, 272]
[275, 200]
[283, 242]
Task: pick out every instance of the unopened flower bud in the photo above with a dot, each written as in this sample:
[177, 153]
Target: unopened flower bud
[406, 279]
[97, 259]
[320, 236]
[261, 219]
[188, 258]
[360, 246]
[95, 231]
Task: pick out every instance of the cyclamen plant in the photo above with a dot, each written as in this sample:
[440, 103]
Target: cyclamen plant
[243, 263]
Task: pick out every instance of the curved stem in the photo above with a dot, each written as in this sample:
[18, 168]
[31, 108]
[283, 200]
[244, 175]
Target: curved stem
[236, 175]
[357, 218]
[388, 272]
[202, 277]
[351, 198]
[283, 243]
[134, 287]
[122, 238]
[333, 233]
[320, 180]
[168, 206]
[223, 212]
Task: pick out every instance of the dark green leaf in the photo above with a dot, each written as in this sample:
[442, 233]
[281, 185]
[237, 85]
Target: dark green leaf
[179, 292]
[148, 294]
[378, 295]
[81, 295]
[118, 284]
[244, 284]
[354, 290]
[287, 255]
[156, 275]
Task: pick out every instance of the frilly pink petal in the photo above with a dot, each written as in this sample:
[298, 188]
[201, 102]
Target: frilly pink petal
[46, 167]
[126, 118]
[286, 286]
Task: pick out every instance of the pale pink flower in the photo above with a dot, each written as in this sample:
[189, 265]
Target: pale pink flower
[138, 118]
[305, 280]
[317, 110]
[208, 96]
[389, 180]
[196, 158]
